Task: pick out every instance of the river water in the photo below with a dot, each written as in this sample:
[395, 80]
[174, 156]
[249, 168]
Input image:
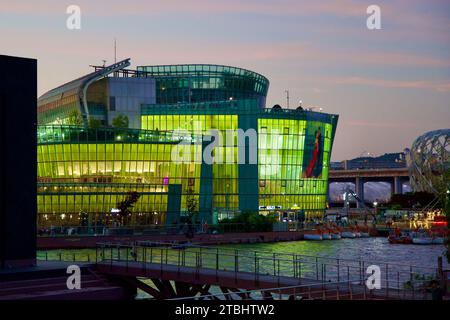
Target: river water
[371, 250]
[368, 249]
[376, 251]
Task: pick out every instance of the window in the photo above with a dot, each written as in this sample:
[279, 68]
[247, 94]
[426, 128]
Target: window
[112, 103]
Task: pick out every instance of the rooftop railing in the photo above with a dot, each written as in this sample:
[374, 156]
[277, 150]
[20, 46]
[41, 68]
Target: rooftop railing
[48, 134]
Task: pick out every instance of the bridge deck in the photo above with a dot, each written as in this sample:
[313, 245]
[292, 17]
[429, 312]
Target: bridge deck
[249, 281]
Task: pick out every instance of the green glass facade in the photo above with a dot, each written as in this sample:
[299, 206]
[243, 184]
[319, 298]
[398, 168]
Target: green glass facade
[205, 83]
[84, 172]
[91, 170]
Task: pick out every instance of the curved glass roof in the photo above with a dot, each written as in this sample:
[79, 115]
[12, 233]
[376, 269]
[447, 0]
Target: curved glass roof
[203, 70]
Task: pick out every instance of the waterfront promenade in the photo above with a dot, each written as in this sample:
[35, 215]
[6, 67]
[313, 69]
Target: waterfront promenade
[90, 241]
[168, 271]
[79, 242]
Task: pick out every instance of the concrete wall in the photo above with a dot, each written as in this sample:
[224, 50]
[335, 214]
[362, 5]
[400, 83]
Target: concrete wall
[129, 94]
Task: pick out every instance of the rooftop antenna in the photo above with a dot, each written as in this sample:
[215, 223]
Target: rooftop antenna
[287, 97]
[115, 51]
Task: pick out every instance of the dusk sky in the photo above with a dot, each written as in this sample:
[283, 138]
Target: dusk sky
[388, 86]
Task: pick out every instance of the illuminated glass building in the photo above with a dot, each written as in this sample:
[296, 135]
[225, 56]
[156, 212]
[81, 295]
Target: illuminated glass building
[90, 158]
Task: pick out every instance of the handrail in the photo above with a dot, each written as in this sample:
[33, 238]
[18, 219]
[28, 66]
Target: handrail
[251, 253]
[270, 289]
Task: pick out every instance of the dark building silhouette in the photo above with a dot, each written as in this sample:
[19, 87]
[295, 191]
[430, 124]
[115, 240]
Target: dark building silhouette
[18, 162]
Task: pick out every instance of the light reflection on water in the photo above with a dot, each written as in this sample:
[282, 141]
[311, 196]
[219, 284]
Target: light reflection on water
[367, 249]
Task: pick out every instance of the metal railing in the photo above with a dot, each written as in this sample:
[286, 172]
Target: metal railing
[395, 279]
[344, 290]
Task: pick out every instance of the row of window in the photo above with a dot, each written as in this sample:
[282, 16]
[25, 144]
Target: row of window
[103, 203]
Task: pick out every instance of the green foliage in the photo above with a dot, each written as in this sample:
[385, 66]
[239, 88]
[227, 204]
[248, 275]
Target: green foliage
[94, 123]
[191, 204]
[395, 206]
[121, 121]
[74, 118]
[419, 281]
[410, 200]
[251, 221]
[125, 205]
[446, 200]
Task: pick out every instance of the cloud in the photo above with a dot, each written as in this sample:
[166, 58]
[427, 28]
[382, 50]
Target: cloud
[440, 86]
[105, 8]
[366, 123]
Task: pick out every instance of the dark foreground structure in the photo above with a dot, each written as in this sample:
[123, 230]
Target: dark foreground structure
[18, 161]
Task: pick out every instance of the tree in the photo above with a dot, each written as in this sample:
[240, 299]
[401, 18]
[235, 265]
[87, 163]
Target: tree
[447, 240]
[121, 121]
[125, 206]
[94, 123]
[74, 118]
[410, 200]
[445, 199]
[251, 221]
[191, 204]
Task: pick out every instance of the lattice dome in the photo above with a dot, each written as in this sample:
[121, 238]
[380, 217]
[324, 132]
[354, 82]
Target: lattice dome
[429, 167]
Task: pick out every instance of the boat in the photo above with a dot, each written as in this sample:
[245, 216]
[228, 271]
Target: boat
[336, 236]
[438, 240]
[348, 234]
[365, 235]
[422, 240]
[326, 236]
[312, 236]
[400, 239]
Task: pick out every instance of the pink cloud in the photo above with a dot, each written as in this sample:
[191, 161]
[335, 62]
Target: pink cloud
[366, 123]
[441, 86]
[285, 7]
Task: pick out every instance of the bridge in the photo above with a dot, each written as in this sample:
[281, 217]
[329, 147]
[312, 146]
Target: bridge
[395, 176]
[186, 271]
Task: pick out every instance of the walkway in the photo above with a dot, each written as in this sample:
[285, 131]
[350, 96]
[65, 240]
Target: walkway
[254, 270]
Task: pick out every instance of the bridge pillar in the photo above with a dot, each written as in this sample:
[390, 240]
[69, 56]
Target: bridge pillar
[328, 192]
[398, 185]
[359, 186]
